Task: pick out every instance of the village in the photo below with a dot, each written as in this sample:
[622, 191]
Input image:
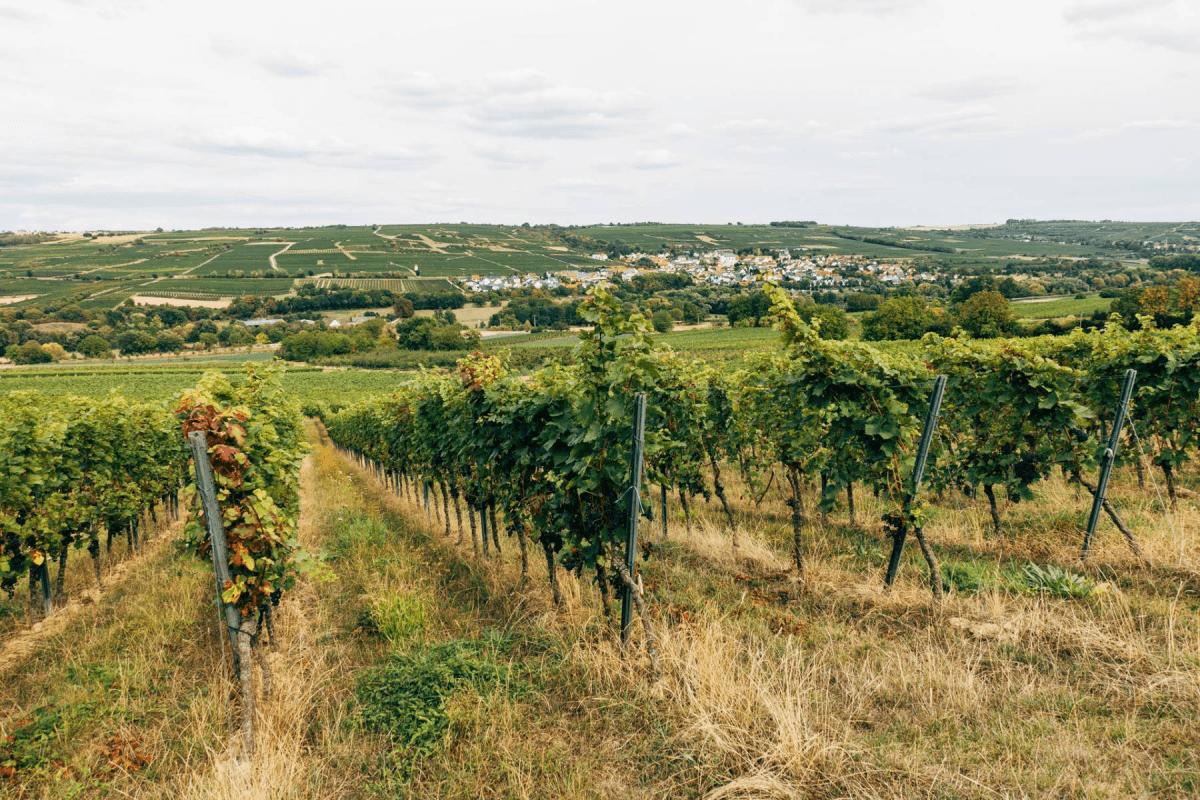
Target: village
[719, 267]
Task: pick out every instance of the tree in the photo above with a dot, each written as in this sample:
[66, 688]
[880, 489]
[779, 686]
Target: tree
[900, 318]
[199, 329]
[749, 306]
[832, 321]
[57, 351]
[662, 320]
[235, 335]
[403, 307]
[693, 313]
[862, 301]
[310, 345]
[95, 346]
[135, 342]
[452, 337]
[168, 343]
[986, 315]
[29, 353]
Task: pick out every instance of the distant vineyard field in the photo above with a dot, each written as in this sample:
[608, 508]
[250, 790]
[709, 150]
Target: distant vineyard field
[103, 270]
[390, 284]
[222, 287]
[141, 382]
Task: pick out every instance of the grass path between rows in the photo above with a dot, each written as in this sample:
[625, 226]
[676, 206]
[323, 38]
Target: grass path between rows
[417, 668]
[131, 696]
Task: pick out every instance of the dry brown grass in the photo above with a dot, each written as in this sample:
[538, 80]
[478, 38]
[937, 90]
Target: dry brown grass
[115, 684]
[305, 739]
[766, 689]
[873, 693]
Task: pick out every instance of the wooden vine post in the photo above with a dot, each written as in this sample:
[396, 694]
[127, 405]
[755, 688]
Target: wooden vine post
[231, 619]
[1099, 499]
[901, 531]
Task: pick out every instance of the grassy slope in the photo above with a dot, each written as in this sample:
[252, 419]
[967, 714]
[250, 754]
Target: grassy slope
[1061, 307]
[765, 690]
[843, 689]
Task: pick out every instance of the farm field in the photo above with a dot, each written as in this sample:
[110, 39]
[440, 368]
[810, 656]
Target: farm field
[692, 341]
[1104, 233]
[426, 665]
[162, 381]
[1058, 307]
[391, 284]
[839, 240]
[69, 266]
[221, 287]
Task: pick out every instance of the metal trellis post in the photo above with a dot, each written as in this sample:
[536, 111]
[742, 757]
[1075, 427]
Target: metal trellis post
[1107, 460]
[635, 509]
[931, 418]
[207, 488]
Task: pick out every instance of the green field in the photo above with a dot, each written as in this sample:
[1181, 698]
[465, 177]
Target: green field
[144, 381]
[220, 287]
[1058, 307]
[391, 284]
[103, 271]
[700, 340]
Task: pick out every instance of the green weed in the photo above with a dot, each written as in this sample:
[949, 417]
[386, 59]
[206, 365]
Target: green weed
[406, 698]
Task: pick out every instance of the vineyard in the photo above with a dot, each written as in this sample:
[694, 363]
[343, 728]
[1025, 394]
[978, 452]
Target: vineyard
[78, 473]
[364, 620]
[551, 449]
[75, 471]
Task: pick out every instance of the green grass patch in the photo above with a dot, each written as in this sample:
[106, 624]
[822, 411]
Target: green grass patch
[406, 698]
[1056, 307]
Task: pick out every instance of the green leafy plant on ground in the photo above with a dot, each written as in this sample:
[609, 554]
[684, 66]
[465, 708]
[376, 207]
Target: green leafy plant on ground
[1056, 581]
[406, 698]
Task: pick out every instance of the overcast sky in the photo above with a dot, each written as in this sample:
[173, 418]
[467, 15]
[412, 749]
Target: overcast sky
[128, 114]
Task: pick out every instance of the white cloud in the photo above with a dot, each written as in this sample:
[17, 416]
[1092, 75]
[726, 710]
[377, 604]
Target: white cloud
[517, 81]
[1107, 10]
[521, 103]
[1162, 125]
[555, 112]
[870, 7]
[1172, 25]
[965, 90]
[264, 143]
[292, 65]
[659, 158]
[962, 121]
[757, 126]
[584, 184]
[14, 14]
[868, 111]
[423, 90]
[503, 156]
[1135, 127]
[273, 144]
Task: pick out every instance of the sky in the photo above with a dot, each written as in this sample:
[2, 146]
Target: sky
[130, 114]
